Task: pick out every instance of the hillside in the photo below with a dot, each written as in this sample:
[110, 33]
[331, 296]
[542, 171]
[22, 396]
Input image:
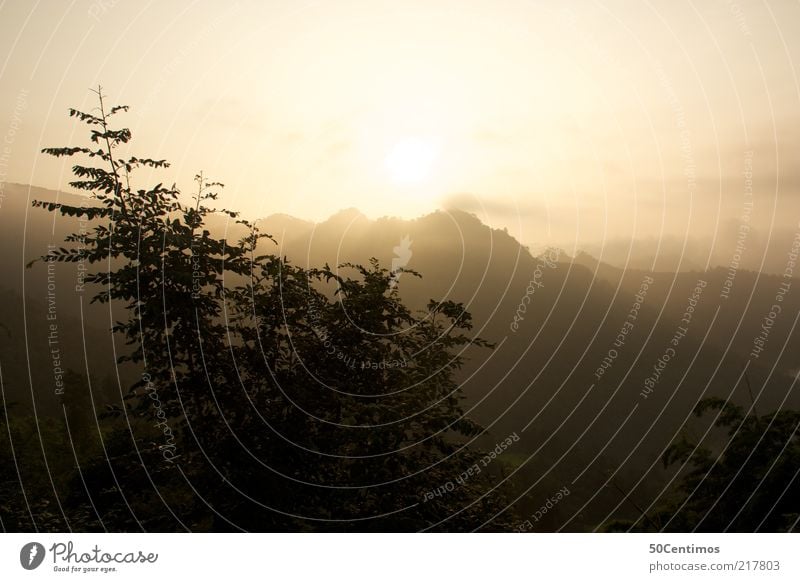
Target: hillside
[574, 373]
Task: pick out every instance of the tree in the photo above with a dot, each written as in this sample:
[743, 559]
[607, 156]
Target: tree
[270, 397]
[749, 483]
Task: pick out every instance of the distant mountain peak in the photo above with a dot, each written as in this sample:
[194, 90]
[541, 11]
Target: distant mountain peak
[347, 215]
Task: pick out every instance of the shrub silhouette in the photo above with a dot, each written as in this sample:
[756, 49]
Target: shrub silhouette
[748, 483]
[269, 397]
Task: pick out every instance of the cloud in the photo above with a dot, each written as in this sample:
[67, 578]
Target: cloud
[491, 136]
[230, 112]
[494, 206]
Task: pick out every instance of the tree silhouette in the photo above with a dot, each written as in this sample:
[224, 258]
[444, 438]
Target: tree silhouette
[748, 483]
[268, 396]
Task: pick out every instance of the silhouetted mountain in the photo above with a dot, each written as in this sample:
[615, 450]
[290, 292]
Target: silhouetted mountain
[543, 373]
[50, 324]
[595, 367]
[748, 249]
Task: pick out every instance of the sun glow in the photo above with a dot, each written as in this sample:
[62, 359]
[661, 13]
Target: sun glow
[411, 160]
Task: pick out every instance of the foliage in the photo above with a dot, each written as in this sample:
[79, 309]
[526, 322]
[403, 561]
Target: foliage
[270, 397]
[748, 483]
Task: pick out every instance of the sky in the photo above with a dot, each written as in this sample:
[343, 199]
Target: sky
[565, 122]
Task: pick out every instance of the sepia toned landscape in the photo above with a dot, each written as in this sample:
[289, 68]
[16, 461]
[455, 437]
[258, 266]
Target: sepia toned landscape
[399, 267]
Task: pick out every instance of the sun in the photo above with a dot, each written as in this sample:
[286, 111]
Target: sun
[411, 159]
